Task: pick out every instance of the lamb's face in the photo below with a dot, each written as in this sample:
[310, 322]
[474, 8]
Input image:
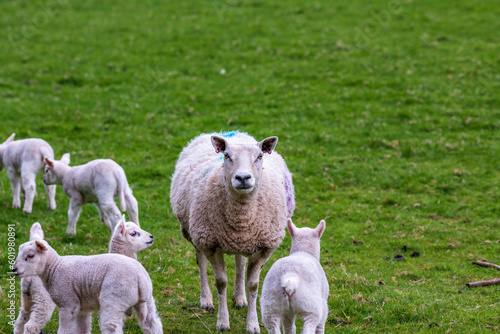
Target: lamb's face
[30, 260]
[243, 162]
[136, 238]
[3, 146]
[50, 174]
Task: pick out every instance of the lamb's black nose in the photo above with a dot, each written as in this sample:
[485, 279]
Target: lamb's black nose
[14, 269]
[151, 236]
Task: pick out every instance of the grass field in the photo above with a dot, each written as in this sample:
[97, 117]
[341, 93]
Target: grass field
[388, 114]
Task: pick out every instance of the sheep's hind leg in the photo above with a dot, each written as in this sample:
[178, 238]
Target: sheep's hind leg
[219, 268]
[132, 207]
[29, 186]
[15, 183]
[255, 264]
[75, 206]
[110, 321]
[50, 190]
[206, 299]
[272, 323]
[239, 295]
[289, 325]
[110, 213]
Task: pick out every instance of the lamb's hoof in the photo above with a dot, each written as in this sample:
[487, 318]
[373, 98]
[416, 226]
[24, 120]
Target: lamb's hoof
[254, 331]
[240, 306]
[207, 307]
[16, 206]
[223, 328]
[240, 302]
[51, 208]
[27, 211]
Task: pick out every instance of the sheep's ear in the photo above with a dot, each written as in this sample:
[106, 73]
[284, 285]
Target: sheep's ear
[320, 228]
[65, 158]
[10, 139]
[120, 227]
[268, 144]
[40, 246]
[49, 162]
[291, 227]
[36, 231]
[219, 143]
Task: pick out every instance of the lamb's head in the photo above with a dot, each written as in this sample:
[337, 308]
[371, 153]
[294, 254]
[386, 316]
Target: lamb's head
[306, 239]
[54, 170]
[129, 238]
[3, 146]
[32, 256]
[243, 162]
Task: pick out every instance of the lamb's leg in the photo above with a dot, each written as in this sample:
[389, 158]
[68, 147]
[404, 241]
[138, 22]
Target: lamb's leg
[15, 183]
[255, 264]
[84, 321]
[41, 312]
[75, 206]
[148, 319]
[239, 295]
[29, 185]
[110, 321]
[310, 324]
[217, 261]
[111, 212]
[272, 323]
[24, 314]
[132, 207]
[289, 325]
[50, 190]
[67, 321]
[206, 300]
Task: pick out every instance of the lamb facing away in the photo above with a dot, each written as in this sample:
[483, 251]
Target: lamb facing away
[234, 200]
[23, 159]
[98, 181]
[79, 285]
[296, 285]
[37, 306]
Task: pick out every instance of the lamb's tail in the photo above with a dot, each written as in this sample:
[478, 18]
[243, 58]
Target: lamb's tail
[290, 282]
[146, 313]
[120, 188]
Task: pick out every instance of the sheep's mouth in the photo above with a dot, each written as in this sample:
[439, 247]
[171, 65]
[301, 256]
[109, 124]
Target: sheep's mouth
[18, 274]
[149, 242]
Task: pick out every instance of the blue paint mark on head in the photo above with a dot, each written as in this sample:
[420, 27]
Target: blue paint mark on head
[229, 134]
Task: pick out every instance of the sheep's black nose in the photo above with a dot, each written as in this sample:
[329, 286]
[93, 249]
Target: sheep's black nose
[14, 269]
[151, 236]
[242, 177]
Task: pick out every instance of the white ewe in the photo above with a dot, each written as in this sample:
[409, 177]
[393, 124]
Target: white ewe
[296, 285]
[234, 200]
[23, 159]
[36, 304]
[98, 181]
[79, 285]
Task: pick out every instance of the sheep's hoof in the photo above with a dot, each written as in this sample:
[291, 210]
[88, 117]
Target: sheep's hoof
[26, 211]
[222, 328]
[207, 307]
[240, 306]
[255, 331]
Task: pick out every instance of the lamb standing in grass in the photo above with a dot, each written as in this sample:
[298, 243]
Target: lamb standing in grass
[234, 200]
[98, 181]
[36, 304]
[296, 285]
[79, 285]
[23, 159]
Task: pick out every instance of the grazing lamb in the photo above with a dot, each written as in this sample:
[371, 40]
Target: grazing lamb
[234, 200]
[98, 181]
[79, 285]
[23, 159]
[296, 285]
[36, 305]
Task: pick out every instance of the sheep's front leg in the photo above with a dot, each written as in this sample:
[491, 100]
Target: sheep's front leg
[75, 206]
[206, 299]
[217, 261]
[50, 190]
[239, 295]
[68, 321]
[29, 185]
[24, 314]
[84, 321]
[255, 264]
[15, 183]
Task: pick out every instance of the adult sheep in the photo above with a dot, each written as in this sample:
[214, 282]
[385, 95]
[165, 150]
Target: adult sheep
[235, 199]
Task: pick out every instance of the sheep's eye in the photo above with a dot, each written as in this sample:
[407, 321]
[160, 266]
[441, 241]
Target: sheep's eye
[259, 157]
[30, 256]
[134, 233]
[226, 156]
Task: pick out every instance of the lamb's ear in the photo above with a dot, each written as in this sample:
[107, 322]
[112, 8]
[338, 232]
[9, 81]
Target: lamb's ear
[120, 227]
[40, 246]
[10, 139]
[291, 227]
[65, 158]
[219, 143]
[36, 232]
[268, 144]
[49, 162]
[320, 228]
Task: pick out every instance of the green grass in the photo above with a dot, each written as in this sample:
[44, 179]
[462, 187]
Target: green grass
[388, 115]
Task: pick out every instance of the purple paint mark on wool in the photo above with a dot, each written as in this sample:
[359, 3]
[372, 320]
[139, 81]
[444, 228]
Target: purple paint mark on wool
[290, 201]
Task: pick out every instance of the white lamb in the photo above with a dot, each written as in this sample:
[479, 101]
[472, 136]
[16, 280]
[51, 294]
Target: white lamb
[23, 159]
[79, 285]
[37, 306]
[296, 285]
[234, 200]
[98, 181]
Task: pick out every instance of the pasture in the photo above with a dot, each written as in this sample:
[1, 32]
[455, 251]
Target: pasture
[387, 113]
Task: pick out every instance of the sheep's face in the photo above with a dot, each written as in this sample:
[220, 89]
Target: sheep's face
[50, 172]
[243, 162]
[132, 236]
[30, 260]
